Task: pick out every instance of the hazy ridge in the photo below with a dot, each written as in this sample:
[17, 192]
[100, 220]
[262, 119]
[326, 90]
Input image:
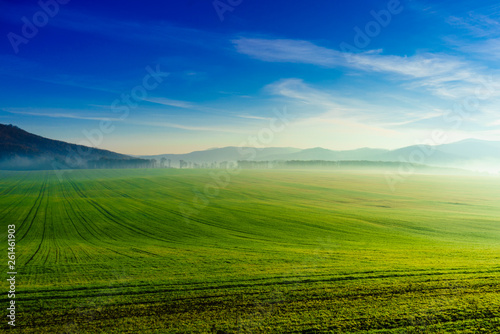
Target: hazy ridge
[20, 149]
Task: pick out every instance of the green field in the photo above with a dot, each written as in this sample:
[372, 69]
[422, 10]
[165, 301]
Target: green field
[273, 252]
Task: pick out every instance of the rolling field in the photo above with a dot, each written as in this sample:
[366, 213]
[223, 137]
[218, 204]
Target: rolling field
[141, 251]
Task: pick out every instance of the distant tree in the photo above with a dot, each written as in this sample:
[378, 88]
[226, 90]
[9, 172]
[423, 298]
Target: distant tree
[162, 162]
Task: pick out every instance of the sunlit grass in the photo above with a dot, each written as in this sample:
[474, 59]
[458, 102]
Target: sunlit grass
[274, 251]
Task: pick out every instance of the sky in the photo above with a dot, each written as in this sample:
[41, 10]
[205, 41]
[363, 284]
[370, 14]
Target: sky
[177, 76]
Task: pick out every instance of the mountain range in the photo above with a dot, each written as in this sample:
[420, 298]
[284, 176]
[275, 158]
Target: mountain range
[20, 149]
[474, 154]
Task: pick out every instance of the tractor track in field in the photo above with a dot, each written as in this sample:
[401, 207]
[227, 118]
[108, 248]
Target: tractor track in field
[73, 223]
[36, 207]
[104, 185]
[133, 308]
[115, 219]
[410, 323]
[88, 224]
[122, 254]
[254, 289]
[17, 203]
[8, 190]
[127, 196]
[112, 217]
[137, 250]
[44, 228]
[94, 230]
[74, 254]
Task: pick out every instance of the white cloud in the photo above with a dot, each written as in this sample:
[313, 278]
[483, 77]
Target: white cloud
[286, 50]
[254, 117]
[313, 101]
[477, 24]
[170, 102]
[189, 127]
[298, 51]
[444, 75]
[489, 48]
[58, 113]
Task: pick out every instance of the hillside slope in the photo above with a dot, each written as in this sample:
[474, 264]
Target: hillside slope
[20, 149]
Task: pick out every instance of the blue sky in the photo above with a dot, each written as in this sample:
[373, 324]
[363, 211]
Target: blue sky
[350, 74]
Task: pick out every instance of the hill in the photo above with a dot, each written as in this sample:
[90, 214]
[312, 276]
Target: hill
[20, 149]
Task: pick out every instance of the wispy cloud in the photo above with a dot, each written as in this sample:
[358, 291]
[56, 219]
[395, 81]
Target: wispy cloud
[323, 106]
[315, 100]
[442, 74]
[189, 127]
[488, 49]
[299, 51]
[286, 50]
[58, 113]
[254, 117]
[206, 108]
[479, 32]
[171, 103]
[479, 24]
[314, 104]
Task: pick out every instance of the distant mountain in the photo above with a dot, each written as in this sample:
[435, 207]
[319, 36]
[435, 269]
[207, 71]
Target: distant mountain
[472, 154]
[20, 149]
[267, 154]
[419, 154]
[319, 153]
[473, 149]
[230, 153]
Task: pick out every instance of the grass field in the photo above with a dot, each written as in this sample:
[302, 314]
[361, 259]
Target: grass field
[274, 252]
